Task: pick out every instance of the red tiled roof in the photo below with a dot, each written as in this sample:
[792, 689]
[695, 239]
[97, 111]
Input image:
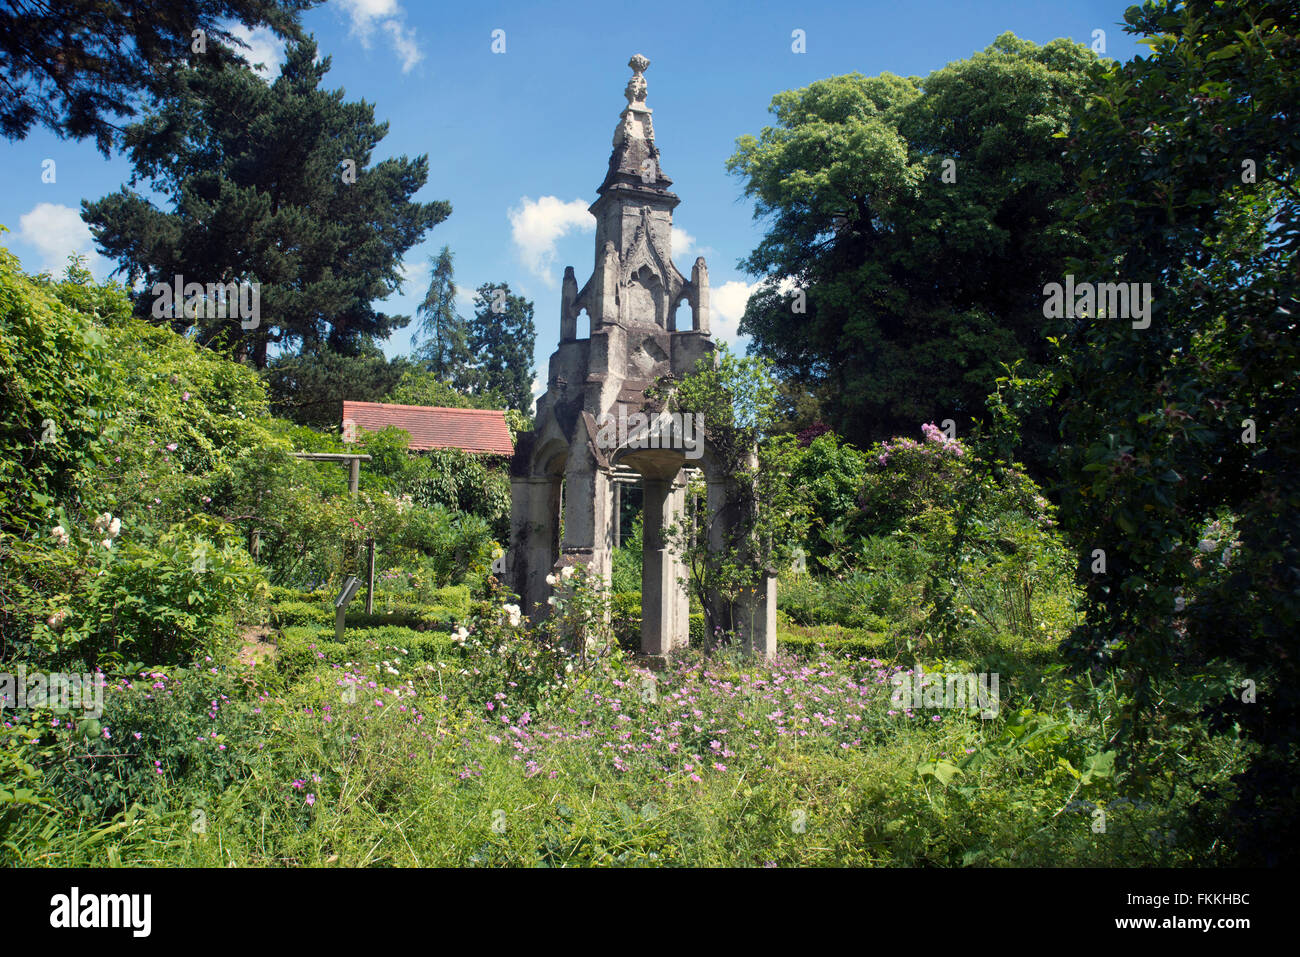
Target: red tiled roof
[432, 427]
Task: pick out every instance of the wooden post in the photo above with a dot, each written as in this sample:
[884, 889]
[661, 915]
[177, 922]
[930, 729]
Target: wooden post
[370, 576]
[255, 543]
[354, 476]
[618, 514]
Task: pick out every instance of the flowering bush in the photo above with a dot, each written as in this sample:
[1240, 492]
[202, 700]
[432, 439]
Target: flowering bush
[105, 594]
[160, 728]
[511, 664]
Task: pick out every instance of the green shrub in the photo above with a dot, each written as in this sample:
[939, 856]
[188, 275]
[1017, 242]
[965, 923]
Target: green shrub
[625, 613]
[187, 728]
[288, 613]
[699, 629]
[281, 594]
[138, 595]
[59, 390]
[837, 641]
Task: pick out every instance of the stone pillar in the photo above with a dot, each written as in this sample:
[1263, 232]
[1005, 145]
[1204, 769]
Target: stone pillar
[665, 605]
[755, 617]
[700, 299]
[568, 314]
[534, 518]
[588, 517]
[681, 598]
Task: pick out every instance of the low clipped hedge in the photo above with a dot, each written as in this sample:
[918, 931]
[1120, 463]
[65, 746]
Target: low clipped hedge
[302, 647]
[280, 594]
[452, 606]
[836, 640]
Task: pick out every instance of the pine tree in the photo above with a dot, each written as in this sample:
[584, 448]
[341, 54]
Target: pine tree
[445, 349]
[269, 184]
[502, 337]
[77, 66]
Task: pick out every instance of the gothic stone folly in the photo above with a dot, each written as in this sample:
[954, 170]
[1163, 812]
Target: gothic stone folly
[631, 301]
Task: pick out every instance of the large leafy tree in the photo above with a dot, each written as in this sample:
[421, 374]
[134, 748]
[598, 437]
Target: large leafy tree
[445, 347]
[79, 66]
[1181, 454]
[273, 184]
[502, 337]
[419, 386]
[310, 387]
[911, 225]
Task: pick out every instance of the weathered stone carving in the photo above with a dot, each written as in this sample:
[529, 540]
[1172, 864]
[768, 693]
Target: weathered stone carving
[631, 299]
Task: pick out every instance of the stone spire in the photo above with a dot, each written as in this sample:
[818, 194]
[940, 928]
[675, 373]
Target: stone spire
[635, 159]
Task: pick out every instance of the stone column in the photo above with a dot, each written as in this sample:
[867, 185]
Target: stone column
[534, 518]
[588, 518]
[755, 617]
[618, 514]
[665, 605]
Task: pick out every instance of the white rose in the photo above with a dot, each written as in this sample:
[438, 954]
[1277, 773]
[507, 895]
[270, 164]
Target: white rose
[107, 543]
[550, 580]
[114, 528]
[566, 572]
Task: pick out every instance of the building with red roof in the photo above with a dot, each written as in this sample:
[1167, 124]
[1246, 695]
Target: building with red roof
[432, 427]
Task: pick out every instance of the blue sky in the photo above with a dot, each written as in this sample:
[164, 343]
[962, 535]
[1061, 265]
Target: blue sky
[518, 141]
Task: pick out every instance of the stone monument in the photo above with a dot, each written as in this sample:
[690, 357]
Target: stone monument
[569, 465]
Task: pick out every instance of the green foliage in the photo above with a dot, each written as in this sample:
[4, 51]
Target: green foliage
[140, 595]
[837, 641]
[917, 288]
[626, 573]
[59, 390]
[324, 239]
[422, 387]
[446, 346]
[502, 337]
[310, 387]
[828, 473]
[79, 70]
[162, 730]
[1157, 456]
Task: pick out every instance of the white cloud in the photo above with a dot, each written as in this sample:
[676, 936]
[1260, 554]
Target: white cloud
[366, 13]
[415, 279]
[58, 232]
[687, 246]
[389, 16]
[727, 306]
[683, 242]
[403, 38]
[264, 47]
[536, 226]
[464, 302]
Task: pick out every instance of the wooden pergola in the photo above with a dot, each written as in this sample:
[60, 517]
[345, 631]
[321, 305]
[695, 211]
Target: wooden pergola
[354, 460]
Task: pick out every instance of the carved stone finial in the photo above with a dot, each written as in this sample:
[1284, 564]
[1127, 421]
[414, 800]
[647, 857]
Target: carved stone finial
[636, 87]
